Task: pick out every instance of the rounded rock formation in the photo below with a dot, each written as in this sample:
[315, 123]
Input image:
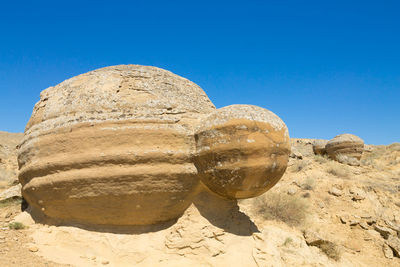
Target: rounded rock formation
[113, 147]
[319, 147]
[345, 148]
[242, 151]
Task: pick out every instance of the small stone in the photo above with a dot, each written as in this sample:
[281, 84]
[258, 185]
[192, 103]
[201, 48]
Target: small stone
[33, 249]
[353, 222]
[292, 191]
[387, 251]
[358, 197]
[363, 225]
[311, 237]
[105, 262]
[336, 192]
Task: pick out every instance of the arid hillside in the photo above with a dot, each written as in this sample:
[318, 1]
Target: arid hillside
[8, 158]
[321, 213]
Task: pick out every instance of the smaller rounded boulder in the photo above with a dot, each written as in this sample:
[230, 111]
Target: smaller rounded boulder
[319, 147]
[241, 151]
[345, 148]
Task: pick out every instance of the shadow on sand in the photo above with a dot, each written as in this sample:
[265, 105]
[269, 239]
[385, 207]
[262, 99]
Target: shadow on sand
[224, 214]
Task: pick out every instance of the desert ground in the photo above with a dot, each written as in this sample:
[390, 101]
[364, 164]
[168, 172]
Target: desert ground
[321, 213]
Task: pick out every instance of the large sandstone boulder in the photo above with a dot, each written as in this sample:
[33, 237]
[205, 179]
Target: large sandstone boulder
[242, 151]
[113, 147]
[345, 148]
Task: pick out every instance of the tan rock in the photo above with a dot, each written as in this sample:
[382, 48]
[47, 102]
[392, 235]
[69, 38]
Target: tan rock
[364, 225]
[387, 251]
[394, 243]
[10, 193]
[33, 248]
[292, 191]
[113, 147]
[384, 231]
[295, 153]
[357, 194]
[242, 151]
[345, 148]
[319, 147]
[336, 192]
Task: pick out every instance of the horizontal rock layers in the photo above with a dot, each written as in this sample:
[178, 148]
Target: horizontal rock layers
[345, 148]
[242, 151]
[128, 145]
[113, 146]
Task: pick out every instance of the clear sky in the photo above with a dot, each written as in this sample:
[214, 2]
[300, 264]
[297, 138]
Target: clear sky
[325, 67]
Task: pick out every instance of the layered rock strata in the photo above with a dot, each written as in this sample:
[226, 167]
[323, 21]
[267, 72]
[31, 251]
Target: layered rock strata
[242, 151]
[345, 148]
[129, 144]
[113, 147]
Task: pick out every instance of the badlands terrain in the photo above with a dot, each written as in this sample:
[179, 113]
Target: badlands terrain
[321, 213]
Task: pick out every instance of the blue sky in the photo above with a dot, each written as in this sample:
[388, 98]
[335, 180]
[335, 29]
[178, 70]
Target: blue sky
[325, 67]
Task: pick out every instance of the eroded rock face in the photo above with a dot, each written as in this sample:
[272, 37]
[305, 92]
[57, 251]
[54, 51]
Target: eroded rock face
[113, 146]
[8, 158]
[242, 151]
[345, 148]
[319, 147]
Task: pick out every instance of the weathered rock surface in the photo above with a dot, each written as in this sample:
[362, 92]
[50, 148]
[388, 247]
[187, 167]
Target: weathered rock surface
[113, 147]
[242, 151]
[384, 231]
[335, 191]
[295, 153]
[394, 244]
[319, 147]
[11, 193]
[345, 148]
[8, 158]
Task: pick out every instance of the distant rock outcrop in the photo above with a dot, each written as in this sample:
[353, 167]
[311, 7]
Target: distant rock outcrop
[115, 146]
[8, 158]
[13, 192]
[319, 147]
[345, 148]
[242, 151]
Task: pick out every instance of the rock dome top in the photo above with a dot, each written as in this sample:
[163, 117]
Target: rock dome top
[119, 92]
[249, 112]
